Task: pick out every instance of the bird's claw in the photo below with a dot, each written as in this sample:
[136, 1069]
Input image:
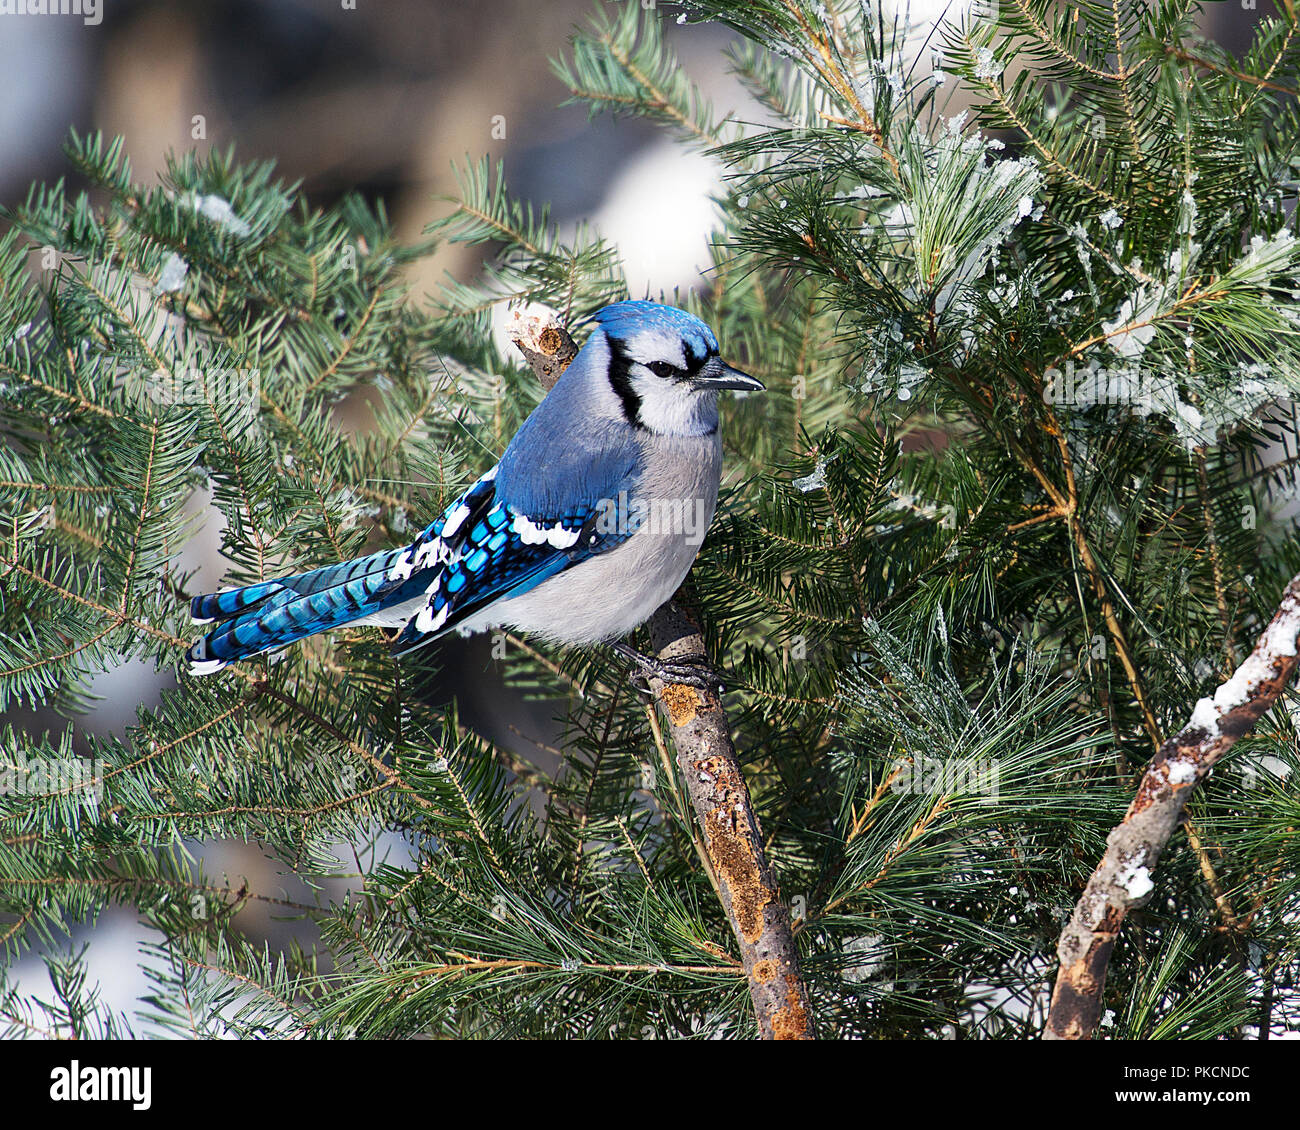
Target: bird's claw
[688, 670]
[691, 670]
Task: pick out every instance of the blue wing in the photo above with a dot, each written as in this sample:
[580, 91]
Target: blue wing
[546, 516]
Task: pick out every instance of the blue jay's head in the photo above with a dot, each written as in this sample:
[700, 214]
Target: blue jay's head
[665, 368]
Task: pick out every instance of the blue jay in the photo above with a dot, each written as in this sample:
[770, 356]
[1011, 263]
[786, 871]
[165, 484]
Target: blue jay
[589, 522]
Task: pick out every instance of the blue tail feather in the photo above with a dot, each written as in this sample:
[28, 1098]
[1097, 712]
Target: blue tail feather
[479, 551]
[270, 614]
[216, 606]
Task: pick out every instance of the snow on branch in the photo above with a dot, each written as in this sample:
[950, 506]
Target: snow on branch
[1123, 879]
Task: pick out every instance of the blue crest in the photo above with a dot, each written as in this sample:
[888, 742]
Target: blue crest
[623, 319]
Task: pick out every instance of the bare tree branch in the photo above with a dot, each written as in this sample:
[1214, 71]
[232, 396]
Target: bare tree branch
[707, 759]
[1122, 880]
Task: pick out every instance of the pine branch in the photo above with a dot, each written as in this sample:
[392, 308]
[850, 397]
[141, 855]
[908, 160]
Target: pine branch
[927, 556]
[1184, 56]
[1122, 881]
[708, 763]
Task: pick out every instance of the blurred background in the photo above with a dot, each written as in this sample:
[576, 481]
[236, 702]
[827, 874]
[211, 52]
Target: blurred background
[378, 98]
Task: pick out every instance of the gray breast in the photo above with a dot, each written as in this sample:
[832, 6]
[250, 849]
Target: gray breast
[607, 596]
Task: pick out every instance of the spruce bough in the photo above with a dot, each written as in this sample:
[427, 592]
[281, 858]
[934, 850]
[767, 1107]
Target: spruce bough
[1025, 364]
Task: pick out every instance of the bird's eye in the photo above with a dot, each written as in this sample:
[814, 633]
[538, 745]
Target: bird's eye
[662, 369]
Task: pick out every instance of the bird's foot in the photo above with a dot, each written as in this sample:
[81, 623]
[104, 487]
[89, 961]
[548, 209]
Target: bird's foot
[688, 670]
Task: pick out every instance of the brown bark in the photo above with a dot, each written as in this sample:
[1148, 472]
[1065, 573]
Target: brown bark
[546, 347]
[707, 759]
[1122, 881]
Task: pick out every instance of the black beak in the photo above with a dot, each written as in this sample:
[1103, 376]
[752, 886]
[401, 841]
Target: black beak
[718, 374]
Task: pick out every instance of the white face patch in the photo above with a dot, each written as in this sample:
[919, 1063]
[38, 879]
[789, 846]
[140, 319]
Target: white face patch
[673, 407]
[667, 406]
